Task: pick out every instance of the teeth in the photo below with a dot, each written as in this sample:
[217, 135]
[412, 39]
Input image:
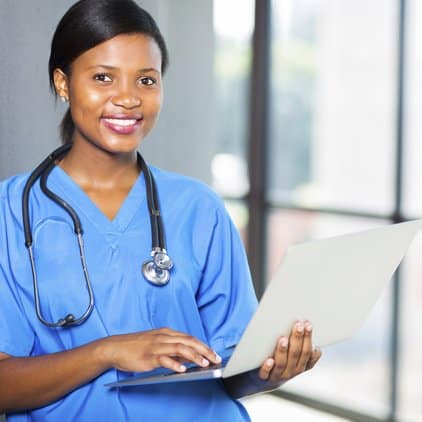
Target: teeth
[121, 122]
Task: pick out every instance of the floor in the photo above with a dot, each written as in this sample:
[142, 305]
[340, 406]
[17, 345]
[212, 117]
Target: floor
[267, 408]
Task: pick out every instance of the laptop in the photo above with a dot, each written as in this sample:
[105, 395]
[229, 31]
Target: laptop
[332, 282]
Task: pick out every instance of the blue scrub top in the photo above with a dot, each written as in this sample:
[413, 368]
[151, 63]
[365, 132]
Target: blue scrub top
[209, 296]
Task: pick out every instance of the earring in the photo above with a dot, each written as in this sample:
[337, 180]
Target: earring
[63, 99]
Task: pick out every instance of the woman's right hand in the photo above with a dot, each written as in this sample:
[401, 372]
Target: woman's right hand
[51, 376]
[148, 350]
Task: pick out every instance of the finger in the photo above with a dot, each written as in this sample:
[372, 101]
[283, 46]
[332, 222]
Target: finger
[316, 355]
[183, 352]
[295, 347]
[306, 352]
[167, 362]
[264, 371]
[280, 360]
[193, 343]
[170, 332]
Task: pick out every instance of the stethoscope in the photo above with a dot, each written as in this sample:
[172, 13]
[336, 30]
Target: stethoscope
[156, 270]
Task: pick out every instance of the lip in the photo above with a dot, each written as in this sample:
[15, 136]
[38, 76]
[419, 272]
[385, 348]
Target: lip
[111, 121]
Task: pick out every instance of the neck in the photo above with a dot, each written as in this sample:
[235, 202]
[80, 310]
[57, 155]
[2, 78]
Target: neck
[93, 168]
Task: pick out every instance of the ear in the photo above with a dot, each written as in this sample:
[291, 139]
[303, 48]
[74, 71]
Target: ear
[61, 84]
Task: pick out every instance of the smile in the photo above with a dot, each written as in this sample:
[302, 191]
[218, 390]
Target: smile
[123, 126]
[121, 122]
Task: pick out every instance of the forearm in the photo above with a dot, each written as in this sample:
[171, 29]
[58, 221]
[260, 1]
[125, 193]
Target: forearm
[247, 383]
[31, 382]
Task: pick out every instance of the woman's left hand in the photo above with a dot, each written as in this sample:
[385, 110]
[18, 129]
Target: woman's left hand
[292, 356]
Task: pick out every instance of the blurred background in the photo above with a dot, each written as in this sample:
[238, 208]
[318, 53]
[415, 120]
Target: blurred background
[304, 116]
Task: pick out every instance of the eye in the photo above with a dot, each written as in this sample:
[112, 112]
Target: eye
[102, 77]
[148, 81]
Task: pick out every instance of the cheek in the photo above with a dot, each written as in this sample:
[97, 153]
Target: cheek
[85, 106]
[83, 98]
[94, 97]
[154, 105]
[88, 100]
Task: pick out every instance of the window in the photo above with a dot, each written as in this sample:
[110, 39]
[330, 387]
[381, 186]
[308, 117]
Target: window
[337, 128]
[233, 27]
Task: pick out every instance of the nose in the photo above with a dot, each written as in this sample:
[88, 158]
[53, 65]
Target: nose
[127, 97]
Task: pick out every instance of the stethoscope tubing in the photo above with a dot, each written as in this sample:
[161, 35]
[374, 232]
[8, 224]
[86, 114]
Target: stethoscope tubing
[77, 226]
[156, 270]
[158, 242]
[70, 318]
[35, 175]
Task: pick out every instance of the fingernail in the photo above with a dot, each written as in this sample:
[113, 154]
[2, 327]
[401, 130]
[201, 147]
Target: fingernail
[308, 327]
[205, 362]
[299, 327]
[218, 358]
[269, 363]
[182, 368]
[284, 342]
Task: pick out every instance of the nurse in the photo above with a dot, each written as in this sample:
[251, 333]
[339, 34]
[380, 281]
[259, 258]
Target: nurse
[107, 61]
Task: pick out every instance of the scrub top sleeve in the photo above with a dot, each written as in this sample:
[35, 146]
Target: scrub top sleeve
[226, 298]
[16, 335]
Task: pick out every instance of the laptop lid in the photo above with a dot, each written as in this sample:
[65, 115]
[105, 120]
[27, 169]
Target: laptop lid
[333, 282]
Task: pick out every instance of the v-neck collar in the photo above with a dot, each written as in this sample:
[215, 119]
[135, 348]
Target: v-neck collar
[62, 184]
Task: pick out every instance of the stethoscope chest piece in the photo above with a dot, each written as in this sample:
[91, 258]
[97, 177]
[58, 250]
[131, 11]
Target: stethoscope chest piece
[157, 269]
[154, 274]
[162, 260]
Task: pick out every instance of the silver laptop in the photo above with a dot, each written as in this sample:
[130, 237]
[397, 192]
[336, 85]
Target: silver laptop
[341, 276]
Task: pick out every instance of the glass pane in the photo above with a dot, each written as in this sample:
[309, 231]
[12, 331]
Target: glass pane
[233, 26]
[239, 213]
[333, 86]
[410, 387]
[413, 125]
[354, 373]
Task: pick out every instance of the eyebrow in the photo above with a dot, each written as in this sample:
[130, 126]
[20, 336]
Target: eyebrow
[105, 66]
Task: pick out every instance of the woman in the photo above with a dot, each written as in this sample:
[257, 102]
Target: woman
[107, 60]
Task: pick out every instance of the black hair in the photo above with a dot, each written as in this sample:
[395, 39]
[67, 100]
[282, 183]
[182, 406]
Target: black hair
[89, 23]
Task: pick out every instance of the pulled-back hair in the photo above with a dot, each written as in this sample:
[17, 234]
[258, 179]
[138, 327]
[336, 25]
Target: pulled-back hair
[89, 23]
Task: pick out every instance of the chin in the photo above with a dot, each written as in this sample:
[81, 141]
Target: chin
[120, 149]
[119, 146]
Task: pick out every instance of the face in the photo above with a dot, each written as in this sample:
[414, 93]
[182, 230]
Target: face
[115, 92]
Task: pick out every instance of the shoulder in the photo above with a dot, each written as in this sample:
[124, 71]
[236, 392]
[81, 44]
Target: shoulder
[185, 189]
[11, 190]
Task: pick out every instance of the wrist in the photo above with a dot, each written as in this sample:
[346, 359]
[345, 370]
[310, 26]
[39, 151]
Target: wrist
[103, 353]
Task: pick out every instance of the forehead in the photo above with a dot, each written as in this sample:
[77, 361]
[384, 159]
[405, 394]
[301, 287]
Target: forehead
[123, 51]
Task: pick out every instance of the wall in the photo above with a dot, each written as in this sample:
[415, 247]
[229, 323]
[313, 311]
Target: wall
[29, 117]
